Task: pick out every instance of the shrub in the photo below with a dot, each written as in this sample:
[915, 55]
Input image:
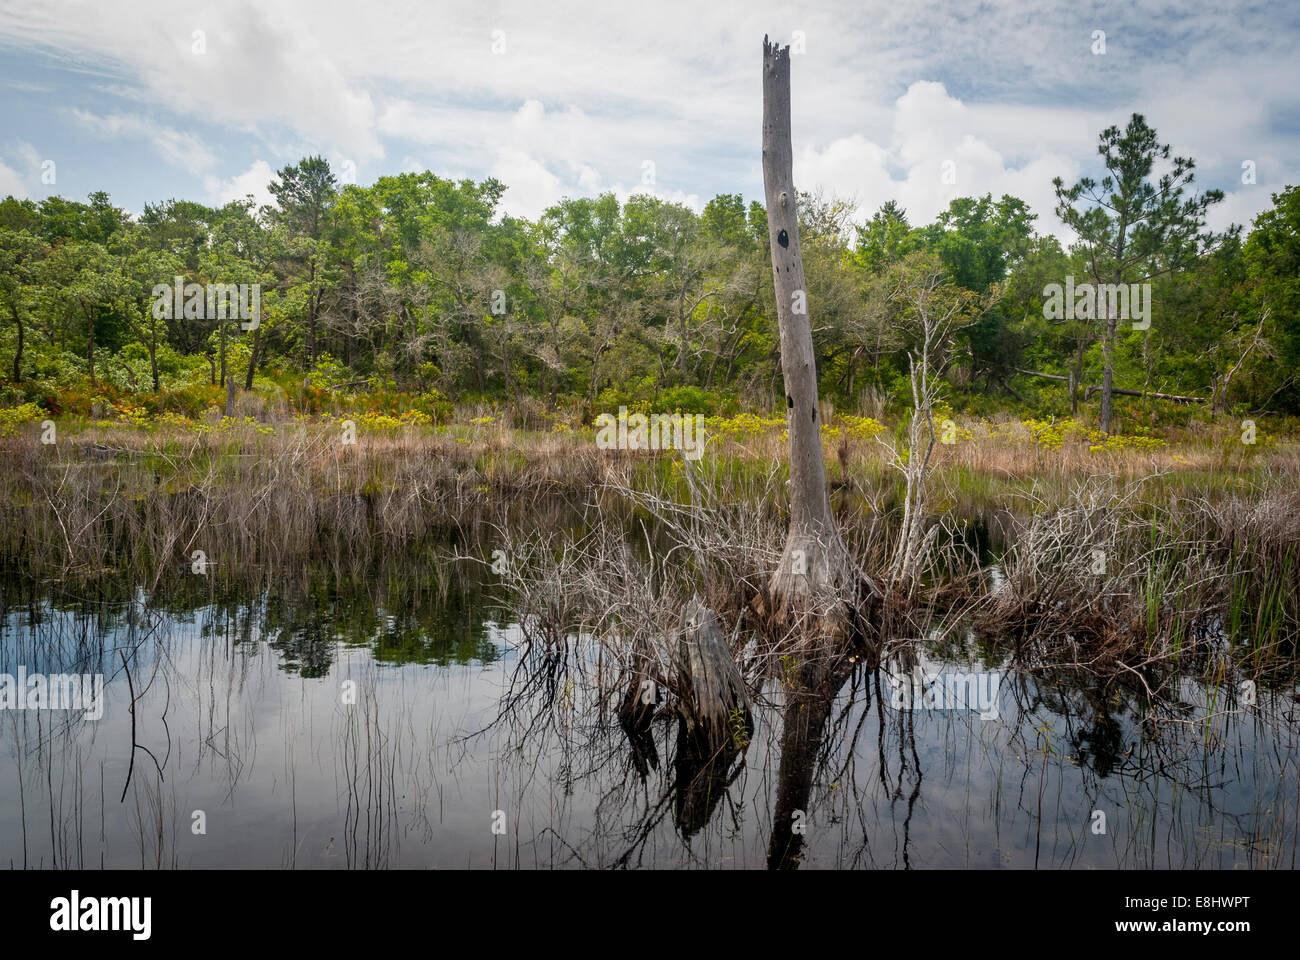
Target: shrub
[687, 400]
[434, 405]
[12, 417]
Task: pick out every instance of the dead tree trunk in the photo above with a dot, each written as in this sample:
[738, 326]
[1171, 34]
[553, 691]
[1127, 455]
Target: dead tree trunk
[815, 561]
[1046, 376]
[252, 358]
[1107, 370]
[1218, 393]
[716, 687]
[1118, 392]
[1089, 391]
[714, 722]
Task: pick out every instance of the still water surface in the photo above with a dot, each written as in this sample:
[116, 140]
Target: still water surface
[246, 712]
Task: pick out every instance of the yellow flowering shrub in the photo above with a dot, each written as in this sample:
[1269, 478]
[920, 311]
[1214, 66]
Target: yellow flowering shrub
[11, 417]
[742, 425]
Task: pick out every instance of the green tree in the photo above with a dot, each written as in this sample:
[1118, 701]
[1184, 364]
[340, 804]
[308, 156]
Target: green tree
[884, 239]
[1131, 228]
[977, 240]
[20, 255]
[304, 194]
[138, 268]
[1272, 255]
[80, 283]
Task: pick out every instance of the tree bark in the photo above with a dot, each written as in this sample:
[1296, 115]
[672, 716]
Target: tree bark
[1218, 395]
[1046, 376]
[311, 315]
[1173, 397]
[1089, 391]
[90, 350]
[18, 352]
[252, 358]
[815, 557]
[715, 721]
[1108, 372]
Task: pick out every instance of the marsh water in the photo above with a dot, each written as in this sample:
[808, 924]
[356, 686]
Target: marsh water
[330, 723]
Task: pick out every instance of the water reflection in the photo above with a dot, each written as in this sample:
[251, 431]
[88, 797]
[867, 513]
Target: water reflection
[372, 723]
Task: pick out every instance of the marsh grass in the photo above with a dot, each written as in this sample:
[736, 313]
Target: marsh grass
[1200, 535]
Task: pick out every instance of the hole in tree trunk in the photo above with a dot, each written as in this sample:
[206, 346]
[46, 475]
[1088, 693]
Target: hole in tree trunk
[783, 238]
[789, 402]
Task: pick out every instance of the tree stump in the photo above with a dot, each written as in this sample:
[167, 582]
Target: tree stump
[714, 720]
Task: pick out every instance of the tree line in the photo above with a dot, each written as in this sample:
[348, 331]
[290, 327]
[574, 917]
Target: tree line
[420, 284]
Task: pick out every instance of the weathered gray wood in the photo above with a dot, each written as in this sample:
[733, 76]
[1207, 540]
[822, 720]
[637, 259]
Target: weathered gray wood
[715, 685]
[815, 557]
[1089, 391]
[1172, 397]
[714, 723]
[1045, 376]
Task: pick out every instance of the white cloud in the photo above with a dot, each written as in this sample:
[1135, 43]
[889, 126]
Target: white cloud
[254, 180]
[688, 200]
[180, 149]
[531, 187]
[541, 155]
[930, 129]
[11, 182]
[24, 178]
[1240, 206]
[589, 180]
[25, 86]
[1008, 90]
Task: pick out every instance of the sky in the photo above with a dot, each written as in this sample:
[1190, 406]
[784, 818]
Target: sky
[914, 102]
